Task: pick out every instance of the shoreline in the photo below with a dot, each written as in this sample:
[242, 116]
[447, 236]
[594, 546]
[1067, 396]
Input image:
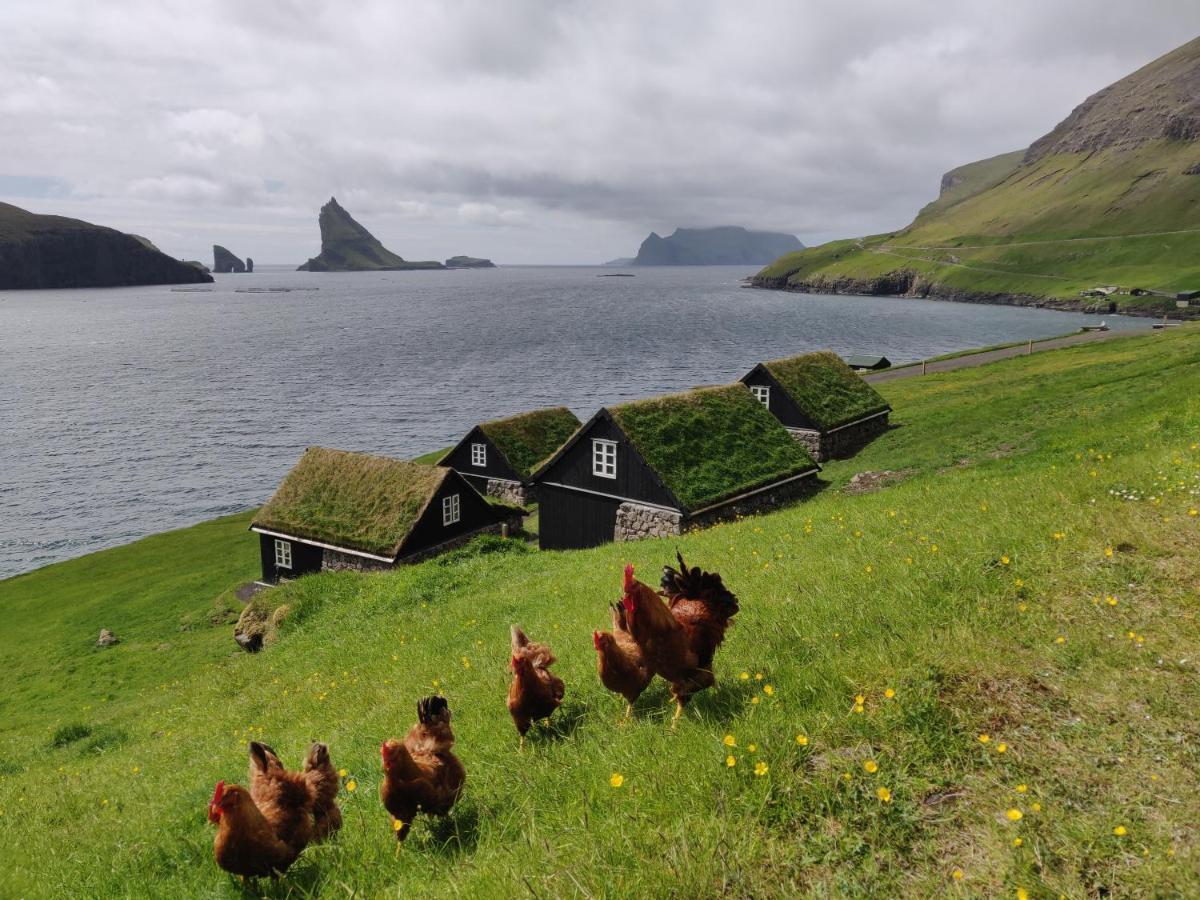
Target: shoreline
[903, 285]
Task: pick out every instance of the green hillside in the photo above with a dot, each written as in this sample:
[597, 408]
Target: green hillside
[1110, 197]
[1029, 578]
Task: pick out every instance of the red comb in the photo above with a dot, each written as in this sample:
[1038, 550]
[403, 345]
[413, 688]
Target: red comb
[596, 639]
[214, 806]
[628, 577]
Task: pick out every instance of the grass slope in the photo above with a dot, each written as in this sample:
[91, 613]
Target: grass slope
[1051, 229]
[1002, 589]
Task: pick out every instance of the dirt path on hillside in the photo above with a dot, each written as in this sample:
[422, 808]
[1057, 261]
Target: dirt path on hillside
[987, 356]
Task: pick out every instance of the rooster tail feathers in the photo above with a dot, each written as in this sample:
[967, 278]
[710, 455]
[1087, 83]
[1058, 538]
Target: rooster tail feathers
[431, 710]
[261, 755]
[696, 584]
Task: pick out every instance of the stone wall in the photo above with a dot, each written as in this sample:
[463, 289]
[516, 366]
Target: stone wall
[337, 561]
[842, 443]
[635, 522]
[769, 499]
[510, 491]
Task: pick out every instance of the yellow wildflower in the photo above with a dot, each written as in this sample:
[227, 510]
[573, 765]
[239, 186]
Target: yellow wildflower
[745, 676]
[397, 824]
[889, 693]
[1002, 748]
[754, 700]
[758, 676]
[884, 795]
[1108, 551]
[1021, 788]
[342, 773]
[1119, 831]
[352, 785]
[768, 689]
[1036, 807]
[1004, 560]
[731, 761]
[1017, 842]
[802, 740]
[616, 780]
[760, 768]
[984, 738]
[752, 748]
[729, 741]
[871, 766]
[957, 874]
[1015, 815]
[1022, 894]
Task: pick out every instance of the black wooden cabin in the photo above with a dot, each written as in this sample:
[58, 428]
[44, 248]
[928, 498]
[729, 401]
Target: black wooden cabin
[655, 467]
[499, 457]
[342, 510]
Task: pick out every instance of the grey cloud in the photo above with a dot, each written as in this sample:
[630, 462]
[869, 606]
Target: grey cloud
[532, 131]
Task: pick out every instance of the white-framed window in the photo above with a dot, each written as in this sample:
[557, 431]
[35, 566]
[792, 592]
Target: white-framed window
[283, 554]
[762, 394]
[479, 454]
[604, 458]
[451, 510]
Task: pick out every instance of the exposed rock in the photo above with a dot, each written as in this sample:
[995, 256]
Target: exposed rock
[469, 262]
[348, 247]
[869, 482]
[226, 263]
[258, 625]
[107, 638]
[1159, 100]
[728, 245]
[249, 264]
[38, 251]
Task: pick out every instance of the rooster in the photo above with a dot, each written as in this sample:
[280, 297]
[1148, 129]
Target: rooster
[702, 604]
[421, 774]
[284, 798]
[619, 661]
[322, 781]
[664, 642]
[245, 844]
[534, 693]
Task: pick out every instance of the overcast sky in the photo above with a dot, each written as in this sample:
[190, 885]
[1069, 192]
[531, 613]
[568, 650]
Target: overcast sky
[533, 132]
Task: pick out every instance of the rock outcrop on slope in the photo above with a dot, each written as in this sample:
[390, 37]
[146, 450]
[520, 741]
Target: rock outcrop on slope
[469, 262]
[727, 245]
[38, 251]
[225, 262]
[348, 247]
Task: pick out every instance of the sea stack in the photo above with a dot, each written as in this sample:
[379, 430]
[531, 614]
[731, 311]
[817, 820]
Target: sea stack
[39, 251]
[225, 262]
[348, 247]
[249, 264]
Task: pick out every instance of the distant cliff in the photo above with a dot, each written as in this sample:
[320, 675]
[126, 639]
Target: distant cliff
[225, 262]
[39, 251]
[348, 247]
[728, 245]
[469, 262]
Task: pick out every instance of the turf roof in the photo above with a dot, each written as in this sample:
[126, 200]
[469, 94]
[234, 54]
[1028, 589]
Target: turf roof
[528, 438]
[352, 500]
[711, 443]
[826, 389]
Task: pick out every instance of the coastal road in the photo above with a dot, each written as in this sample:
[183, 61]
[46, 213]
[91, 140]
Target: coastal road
[987, 356]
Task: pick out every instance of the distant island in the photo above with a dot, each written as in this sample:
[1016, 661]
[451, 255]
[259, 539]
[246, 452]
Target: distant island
[225, 262]
[348, 247]
[1102, 214]
[39, 251]
[469, 262]
[726, 245]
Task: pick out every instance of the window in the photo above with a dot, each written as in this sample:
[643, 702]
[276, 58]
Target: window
[604, 458]
[479, 454]
[283, 554]
[451, 510]
[762, 394]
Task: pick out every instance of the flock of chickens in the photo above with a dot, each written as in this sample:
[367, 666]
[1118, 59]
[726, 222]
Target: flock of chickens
[262, 830]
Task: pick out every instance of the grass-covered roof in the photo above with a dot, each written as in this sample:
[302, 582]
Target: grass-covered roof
[528, 438]
[826, 389]
[711, 443]
[353, 500]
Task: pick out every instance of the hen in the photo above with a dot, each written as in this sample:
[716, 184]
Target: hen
[534, 692]
[664, 642]
[619, 661]
[284, 798]
[322, 780]
[702, 604]
[245, 844]
[422, 774]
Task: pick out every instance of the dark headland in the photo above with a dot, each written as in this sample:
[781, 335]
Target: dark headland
[727, 245]
[348, 247]
[39, 251]
[469, 262]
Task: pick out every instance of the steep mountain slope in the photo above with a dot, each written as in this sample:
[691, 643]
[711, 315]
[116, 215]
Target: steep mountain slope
[1110, 196]
[722, 246]
[39, 251]
[347, 247]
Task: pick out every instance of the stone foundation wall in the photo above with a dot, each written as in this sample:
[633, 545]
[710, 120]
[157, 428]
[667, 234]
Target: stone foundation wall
[635, 522]
[510, 491]
[337, 561]
[844, 442]
[772, 499]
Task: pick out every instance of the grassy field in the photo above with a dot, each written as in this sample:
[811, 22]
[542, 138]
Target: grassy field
[978, 681]
[1051, 229]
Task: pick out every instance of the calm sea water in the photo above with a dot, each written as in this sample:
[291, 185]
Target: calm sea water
[125, 412]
